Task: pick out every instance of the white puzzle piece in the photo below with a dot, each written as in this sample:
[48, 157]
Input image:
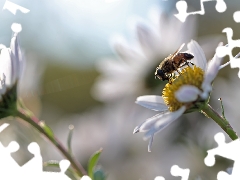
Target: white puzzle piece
[227, 50]
[182, 6]
[10, 169]
[228, 150]
[12, 7]
[177, 171]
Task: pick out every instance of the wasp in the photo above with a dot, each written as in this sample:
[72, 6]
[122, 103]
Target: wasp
[173, 63]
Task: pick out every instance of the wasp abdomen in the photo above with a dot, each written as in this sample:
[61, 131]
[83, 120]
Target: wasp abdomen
[188, 56]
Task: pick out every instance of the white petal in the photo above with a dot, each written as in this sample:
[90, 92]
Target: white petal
[211, 73]
[16, 57]
[154, 15]
[158, 122]
[114, 67]
[155, 103]
[199, 56]
[148, 123]
[166, 120]
[127, 53]
[150, 143]
[148, 38]
[6, 66]
[107, 89]
[175, 32]
[187, 93]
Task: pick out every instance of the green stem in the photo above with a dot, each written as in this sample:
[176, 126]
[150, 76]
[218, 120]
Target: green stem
[35, 122]
[221, 121]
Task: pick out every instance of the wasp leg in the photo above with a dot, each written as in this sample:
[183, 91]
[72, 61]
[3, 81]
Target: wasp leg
[183, 65]
[179, 72]
[172, 75]
[186, 63]
[190, 63]
[170, 80]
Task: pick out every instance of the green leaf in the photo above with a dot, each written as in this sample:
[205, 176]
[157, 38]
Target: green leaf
[92, 163]
[69, 139]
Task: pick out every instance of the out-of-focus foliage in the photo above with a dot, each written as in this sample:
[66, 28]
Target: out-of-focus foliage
[93, 162]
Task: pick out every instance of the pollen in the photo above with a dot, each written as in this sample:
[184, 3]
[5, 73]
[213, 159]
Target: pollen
[189, 76]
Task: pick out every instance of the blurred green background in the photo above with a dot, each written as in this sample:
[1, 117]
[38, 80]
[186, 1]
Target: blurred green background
[63, 44]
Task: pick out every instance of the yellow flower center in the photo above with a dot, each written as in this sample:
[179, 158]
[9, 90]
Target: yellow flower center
[189, 76]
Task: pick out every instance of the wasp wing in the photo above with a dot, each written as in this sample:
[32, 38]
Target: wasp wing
[176, 52]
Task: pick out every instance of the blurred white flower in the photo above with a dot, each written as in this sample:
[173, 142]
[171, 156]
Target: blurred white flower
[156, 40]
[187, 92]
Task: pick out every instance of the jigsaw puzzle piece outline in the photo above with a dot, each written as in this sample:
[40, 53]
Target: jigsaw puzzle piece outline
[35, 164]
[13, 8]
[227, 50]
[159, 178]
[32, 169]
[3, 126]
[236, 16]
[177, 171]
[182, 6]
[227, 150]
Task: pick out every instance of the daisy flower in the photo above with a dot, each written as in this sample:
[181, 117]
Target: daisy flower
[188, 92]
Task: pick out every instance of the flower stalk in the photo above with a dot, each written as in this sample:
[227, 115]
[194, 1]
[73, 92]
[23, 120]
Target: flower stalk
[209, 112]
[28, 117]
